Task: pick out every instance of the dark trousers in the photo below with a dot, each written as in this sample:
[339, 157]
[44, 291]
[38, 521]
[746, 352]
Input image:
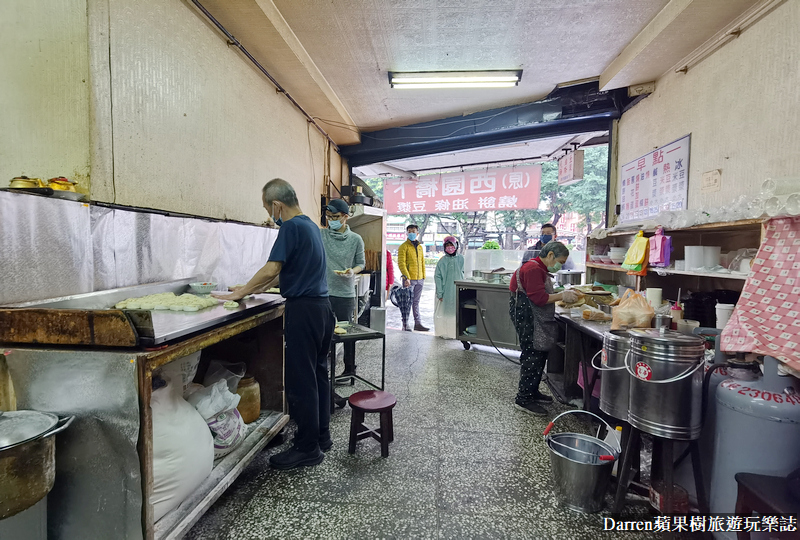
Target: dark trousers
[308, 327]
[343, 308]
[532, 364]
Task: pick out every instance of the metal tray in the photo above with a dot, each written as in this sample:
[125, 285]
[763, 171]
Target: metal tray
[153, 327]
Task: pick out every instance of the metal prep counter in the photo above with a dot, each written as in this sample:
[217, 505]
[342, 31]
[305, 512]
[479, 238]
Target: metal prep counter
[484, 306]
[92, 361]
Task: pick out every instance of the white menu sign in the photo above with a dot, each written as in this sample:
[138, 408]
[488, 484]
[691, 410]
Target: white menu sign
[655, 182]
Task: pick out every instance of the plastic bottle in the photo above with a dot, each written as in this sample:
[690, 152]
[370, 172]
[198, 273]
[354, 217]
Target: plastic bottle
[614, 440]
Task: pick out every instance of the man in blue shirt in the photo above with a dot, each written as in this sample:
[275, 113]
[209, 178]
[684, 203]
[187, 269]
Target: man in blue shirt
[298, 259]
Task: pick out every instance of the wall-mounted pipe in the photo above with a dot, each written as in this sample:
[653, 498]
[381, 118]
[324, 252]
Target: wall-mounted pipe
[233, 41]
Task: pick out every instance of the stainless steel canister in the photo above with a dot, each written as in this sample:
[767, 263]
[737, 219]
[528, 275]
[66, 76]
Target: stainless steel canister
[615, 380]
[666, 383]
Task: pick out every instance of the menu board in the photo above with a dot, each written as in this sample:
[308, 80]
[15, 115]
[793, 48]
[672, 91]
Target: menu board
[655, 182]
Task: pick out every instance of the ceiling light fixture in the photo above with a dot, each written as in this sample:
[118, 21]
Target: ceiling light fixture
[455, 79]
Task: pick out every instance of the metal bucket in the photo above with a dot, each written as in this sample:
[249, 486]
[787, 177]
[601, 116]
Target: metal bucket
[581, 466]
[615, 379]
[666, 383]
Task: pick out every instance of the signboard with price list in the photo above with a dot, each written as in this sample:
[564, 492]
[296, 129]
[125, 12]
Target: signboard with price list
[656, 182]
[504, 188]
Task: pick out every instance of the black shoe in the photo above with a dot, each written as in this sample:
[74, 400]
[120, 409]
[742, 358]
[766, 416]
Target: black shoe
[339, 401]
[531, 408]
[406, 328]
[326, 445]
[543, 398]
[277, 440]
[419, 328]
[291, 458]
[349, 371]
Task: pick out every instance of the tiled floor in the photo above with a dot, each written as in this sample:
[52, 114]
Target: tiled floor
[464, 464]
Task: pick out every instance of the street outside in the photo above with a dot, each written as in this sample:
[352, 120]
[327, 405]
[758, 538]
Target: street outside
[426, 304]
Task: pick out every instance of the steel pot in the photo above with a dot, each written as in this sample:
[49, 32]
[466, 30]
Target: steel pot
[27, 458]
[615, 381]
[569, 277]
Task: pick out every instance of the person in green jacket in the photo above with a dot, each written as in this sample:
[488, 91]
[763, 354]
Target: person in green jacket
[449, 269]
[411, 262]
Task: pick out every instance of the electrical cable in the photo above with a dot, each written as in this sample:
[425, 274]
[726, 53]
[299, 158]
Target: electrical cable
[483, 320]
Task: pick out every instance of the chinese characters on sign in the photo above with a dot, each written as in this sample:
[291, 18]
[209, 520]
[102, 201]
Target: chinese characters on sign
[656, 182]
[506, 188]
[570, 168]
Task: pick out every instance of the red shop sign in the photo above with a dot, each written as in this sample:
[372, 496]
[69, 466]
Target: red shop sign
[505, 188]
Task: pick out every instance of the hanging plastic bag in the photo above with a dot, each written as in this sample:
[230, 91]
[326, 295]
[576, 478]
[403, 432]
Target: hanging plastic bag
[637, 254]
[231, 372]
[660, 249]
[633, 311]
[444, 324]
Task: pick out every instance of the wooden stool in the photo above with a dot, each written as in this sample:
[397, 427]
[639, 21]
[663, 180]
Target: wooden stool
[372, 401]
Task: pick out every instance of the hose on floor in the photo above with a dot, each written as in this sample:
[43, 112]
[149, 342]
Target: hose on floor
[483, 320]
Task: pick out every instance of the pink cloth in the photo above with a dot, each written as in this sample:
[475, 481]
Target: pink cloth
[389, 270]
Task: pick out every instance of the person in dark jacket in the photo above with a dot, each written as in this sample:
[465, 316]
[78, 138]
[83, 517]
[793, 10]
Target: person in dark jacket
[298, 259]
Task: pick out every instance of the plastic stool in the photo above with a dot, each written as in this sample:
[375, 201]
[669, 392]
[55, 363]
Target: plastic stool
[372, 401]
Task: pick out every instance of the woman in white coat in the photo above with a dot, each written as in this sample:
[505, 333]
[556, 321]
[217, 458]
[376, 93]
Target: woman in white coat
[449, 269]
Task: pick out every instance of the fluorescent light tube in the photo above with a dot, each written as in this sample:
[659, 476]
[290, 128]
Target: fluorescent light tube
[455, 79]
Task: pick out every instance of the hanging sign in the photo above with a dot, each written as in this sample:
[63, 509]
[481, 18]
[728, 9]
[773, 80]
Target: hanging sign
[505, 188]
[570, 168]
[656, 182]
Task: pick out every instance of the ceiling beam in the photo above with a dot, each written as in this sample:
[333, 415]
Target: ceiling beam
[678, 29]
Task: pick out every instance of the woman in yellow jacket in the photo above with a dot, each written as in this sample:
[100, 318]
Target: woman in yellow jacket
[411, 261]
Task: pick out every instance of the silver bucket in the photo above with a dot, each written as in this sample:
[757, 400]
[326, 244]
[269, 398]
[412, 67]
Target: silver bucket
[666, 383]
[581, 466]
[615, 379]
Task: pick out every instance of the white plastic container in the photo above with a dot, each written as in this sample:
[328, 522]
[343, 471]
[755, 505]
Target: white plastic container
[724, 312]
[653, 296]
[711, 256]
[694, 257]
[680, 265]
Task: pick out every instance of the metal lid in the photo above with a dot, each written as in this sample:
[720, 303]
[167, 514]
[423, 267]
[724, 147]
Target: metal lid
[18, 427]
[664, 336]
[617, 335]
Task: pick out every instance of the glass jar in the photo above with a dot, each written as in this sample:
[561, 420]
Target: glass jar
[250, 405]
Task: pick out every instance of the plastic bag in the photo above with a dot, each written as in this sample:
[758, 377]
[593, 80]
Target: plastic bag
[217, 405]
[231, 372]
[444, 324]
[660, 249]
[213, 400]
[637, 254]
[633, 311]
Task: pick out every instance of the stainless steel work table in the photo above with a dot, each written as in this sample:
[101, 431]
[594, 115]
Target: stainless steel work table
[579, 340]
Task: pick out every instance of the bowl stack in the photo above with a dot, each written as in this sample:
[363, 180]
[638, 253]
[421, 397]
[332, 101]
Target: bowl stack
[617, 254]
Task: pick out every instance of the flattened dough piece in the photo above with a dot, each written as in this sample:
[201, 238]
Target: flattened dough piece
[230, 304]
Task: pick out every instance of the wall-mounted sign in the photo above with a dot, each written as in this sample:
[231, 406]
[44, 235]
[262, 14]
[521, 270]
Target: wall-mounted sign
[655, 182]
[711, 181]
[570, 168]
[505, 188]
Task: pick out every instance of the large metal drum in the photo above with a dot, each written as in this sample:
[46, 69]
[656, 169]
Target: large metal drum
[615, 381]
[666, 384]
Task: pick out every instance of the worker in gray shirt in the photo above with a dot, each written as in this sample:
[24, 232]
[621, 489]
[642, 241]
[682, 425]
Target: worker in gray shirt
[344, 255]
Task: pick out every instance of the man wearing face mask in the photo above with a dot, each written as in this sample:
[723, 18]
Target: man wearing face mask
[411, 262]
[298, 259]
[344, 257]
[532, 310]
[548, 234]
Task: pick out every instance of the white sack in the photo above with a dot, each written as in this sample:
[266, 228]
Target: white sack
[229, 431]
[183, 370]
[183, 449]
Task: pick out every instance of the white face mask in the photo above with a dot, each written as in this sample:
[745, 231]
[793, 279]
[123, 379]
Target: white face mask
[278, 221]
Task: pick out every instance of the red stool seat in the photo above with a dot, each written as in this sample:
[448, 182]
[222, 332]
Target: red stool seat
[372, 401]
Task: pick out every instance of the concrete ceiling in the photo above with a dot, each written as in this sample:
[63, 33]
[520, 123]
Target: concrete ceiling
[333, 56]
[354, 43]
